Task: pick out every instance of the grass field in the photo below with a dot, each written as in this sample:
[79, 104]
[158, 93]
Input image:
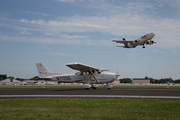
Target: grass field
[100, 86]
[88, 109]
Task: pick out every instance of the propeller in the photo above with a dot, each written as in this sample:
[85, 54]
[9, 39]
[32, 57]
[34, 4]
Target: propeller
[116, 75]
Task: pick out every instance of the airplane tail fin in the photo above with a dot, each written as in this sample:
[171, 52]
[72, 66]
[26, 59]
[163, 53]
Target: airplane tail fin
[125, 44]
[43, 71]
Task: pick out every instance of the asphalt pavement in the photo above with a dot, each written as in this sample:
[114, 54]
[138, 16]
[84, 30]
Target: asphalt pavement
[91, 93]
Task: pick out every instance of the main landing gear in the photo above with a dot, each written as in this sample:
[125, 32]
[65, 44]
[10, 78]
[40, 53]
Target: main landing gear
[143, 46]
[94, 86]
[88, 86]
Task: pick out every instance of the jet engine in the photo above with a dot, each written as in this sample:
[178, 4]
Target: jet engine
[135, 41]
[150, 42]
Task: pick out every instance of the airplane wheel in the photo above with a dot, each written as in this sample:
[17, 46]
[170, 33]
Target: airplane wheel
[94, 87]
[109, 88]
[86, 88]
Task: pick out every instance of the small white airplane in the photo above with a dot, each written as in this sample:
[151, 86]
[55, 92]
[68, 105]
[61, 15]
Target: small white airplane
[146, 39]
[88, 75]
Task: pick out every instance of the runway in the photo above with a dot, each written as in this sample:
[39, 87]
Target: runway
[91, 93]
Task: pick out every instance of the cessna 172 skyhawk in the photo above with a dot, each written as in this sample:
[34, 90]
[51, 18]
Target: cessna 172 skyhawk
[88, 75]
[146, 39]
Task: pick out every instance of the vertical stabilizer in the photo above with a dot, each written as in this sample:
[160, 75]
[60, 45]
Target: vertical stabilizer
[43, 71]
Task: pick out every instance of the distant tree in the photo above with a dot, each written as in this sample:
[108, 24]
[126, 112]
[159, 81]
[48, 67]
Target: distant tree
[125, 80]
[177, 81]
[152, 80]
[20, 79]
[165, 80]
[3, 76]
[34, 78]
[11, 77]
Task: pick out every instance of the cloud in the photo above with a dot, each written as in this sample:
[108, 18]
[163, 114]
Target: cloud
[61, 41]
[115, 21]
[37, 13]
[25, 33]
[166, 30]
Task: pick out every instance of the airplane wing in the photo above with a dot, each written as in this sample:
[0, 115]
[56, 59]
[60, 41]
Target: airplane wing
[123, 41]
[149, 43]
[82, 67]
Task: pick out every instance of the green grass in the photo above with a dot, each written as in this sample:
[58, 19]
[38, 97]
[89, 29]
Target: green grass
[100, 86]
[88, 109]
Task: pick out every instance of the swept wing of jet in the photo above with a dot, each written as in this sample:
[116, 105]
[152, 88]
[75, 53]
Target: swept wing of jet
[146, 39]
[88, 75]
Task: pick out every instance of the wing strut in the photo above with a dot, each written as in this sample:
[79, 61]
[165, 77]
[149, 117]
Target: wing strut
[93, 75]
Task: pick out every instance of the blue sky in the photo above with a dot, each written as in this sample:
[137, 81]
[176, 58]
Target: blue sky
[57, 32]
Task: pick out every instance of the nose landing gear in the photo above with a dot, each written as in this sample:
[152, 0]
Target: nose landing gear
[108, 86]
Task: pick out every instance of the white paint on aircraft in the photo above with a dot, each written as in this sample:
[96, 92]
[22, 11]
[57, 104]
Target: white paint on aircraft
[145, 39]
[88, 75]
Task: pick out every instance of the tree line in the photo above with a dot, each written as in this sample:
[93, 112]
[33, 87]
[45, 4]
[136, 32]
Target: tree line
[4, 76]
[152, 80]
[123, 80]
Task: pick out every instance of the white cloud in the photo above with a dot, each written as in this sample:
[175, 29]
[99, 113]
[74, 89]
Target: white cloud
[131, 20]
[166, 30]
[25, 33]
[37, 13]
[61, 41]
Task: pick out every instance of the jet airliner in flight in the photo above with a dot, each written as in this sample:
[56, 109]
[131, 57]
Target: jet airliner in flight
[145, 39]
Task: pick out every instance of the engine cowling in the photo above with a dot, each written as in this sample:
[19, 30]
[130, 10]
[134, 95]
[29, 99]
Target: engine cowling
[152, 41]
[135, 41]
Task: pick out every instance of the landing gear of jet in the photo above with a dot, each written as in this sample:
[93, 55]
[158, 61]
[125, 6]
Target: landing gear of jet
[143, 46]
[94, 86]
[108, 86]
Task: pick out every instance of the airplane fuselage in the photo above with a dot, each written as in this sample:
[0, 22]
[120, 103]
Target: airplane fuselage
[145, 39]
[81, 78]
[87, 74]
[141, 41]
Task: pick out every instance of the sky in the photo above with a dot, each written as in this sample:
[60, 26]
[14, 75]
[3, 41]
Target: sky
[57, 32]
